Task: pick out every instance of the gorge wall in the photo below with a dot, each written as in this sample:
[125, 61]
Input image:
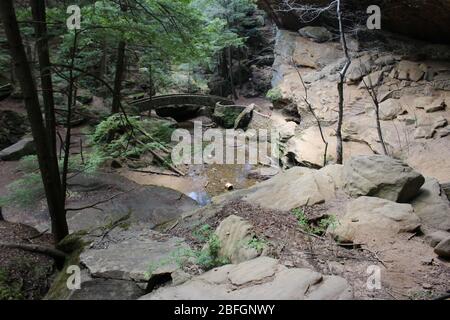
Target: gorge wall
[421, 19]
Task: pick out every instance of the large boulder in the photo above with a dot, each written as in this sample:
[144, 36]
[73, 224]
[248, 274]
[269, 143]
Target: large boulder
[383, 177]
[368, 219]
[297, 187]
[432, 206]
[18, 150]
[262, 278]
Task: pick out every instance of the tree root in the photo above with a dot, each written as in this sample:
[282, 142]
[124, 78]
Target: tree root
[36, 248]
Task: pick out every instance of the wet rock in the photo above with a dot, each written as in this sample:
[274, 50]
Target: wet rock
[432, 206]
[258, 279]
[18, 150]
[369, 218]
[235, 234]
[383, 177]
[317, 34]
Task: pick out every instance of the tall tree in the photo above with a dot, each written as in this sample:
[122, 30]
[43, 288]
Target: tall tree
[120, 68]
[47, 161]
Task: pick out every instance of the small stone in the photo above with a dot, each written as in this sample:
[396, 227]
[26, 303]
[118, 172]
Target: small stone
[427, 286]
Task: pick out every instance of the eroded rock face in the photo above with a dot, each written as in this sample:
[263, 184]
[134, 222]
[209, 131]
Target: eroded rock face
[383, 177]
[425, 20]
[259, 279]
[369, 218]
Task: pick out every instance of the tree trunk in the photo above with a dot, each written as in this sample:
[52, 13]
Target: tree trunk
[118, 77]
[40, 28]
[230, 71]
[47, 165]
[342, 73]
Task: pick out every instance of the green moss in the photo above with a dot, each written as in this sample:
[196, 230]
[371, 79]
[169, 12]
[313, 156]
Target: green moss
[9, 288]
[72, 242]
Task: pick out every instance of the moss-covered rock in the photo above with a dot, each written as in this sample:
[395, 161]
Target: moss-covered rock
[226, 116]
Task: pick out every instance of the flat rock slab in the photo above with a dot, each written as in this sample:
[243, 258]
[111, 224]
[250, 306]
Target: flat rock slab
[18, 150]
[262, 278]
[130, 254]
[153, 205]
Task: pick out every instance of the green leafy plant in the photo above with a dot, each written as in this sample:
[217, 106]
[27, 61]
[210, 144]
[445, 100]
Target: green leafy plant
[274, 94]
[318, 227]
[258, 244]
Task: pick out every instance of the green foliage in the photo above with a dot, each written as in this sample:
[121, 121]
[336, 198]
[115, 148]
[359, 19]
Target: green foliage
[9, 289]
[258, 244]
[117, 137]
[203, 233]
[274, 94]
[318, 227]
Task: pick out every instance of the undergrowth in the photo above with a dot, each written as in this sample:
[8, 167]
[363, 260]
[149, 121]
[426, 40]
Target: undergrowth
[316, 227]
[206, 258]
